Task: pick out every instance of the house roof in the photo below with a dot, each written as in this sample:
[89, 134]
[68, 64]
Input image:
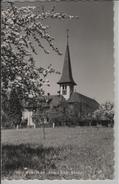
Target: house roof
[67, 70]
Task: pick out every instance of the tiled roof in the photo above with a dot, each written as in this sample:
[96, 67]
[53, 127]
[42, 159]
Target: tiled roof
[77, 97]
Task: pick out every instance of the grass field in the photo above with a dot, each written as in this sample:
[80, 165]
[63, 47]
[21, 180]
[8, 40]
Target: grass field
[66, 153]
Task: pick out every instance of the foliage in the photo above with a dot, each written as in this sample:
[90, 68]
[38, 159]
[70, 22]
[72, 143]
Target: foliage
[105, 112]
[21, 29]
[4, 120]
[15, 109]
[11, 116]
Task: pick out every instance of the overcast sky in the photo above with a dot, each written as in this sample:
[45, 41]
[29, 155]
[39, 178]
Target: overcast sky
[91, 47]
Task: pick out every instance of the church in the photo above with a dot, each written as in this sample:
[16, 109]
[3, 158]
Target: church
[81, 106]
[67, 105]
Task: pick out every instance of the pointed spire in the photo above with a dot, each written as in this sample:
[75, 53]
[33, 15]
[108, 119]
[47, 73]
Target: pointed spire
[67, 35]
[67, 70]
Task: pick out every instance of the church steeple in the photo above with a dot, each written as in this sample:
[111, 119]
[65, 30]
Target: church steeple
[66, 81]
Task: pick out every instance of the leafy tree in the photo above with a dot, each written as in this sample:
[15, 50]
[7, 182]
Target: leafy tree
[105, 112]
[20, 26]
[15, 109]
[20, 29]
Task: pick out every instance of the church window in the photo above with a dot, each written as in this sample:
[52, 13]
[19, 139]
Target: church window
[64, 89]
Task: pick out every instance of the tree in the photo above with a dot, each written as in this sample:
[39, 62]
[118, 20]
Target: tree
[105, 112]
[20, 28]
[15, 109]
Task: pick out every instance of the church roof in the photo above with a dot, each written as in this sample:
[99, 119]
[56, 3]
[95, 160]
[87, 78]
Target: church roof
[79, 98]
[67, 70]
[55, 100]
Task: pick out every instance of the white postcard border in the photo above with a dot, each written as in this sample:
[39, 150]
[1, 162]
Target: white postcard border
[116, 127]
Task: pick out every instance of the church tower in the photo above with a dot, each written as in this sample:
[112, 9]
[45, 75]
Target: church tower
[66, 81]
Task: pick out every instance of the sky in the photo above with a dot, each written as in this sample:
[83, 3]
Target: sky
[90, 43]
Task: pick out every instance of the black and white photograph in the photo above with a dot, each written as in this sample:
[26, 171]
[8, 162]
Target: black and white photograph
[57, 90]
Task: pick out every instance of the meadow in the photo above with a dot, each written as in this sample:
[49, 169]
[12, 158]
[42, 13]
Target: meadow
[65, 153]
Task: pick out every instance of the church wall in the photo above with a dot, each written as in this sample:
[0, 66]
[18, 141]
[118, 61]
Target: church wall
[83, 109]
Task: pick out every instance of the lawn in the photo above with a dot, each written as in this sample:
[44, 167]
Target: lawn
[66, 153]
